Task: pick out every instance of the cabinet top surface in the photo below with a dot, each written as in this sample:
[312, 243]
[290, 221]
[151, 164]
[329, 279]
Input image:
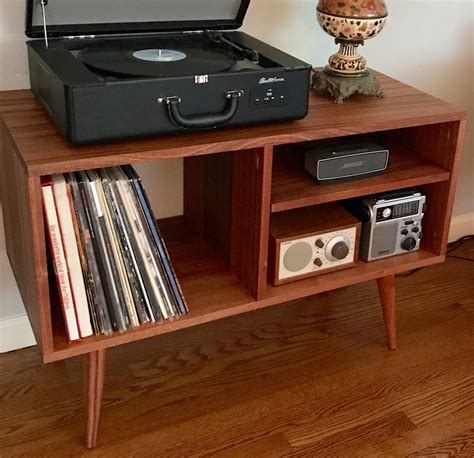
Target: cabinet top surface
[43, 150]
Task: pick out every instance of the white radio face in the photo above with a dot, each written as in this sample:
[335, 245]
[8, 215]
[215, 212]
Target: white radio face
[316, 253]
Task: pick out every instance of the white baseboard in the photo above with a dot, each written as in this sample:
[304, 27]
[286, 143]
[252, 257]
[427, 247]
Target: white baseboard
[461, 226]
[15, 333]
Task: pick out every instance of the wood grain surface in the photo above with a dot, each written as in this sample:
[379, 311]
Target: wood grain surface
[213, 292]
[292, 187]
[252, 181]
[25, 239]
[307, 378]
[44, 151]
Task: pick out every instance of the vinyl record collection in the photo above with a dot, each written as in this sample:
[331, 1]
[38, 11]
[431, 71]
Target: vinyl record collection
[111, 263]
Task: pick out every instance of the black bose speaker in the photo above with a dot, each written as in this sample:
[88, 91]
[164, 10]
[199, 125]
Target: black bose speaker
[333, 163]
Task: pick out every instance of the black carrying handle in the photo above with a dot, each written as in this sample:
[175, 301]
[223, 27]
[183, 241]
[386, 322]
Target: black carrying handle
[204, 121]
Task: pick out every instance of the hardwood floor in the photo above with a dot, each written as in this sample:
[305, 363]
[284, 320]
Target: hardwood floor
[309, 378]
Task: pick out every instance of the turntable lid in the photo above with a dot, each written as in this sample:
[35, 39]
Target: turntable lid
[94, 17]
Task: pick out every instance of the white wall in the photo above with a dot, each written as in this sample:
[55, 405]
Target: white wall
[428, 44]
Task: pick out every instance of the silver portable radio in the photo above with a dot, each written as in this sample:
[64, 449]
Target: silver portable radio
[391, 223]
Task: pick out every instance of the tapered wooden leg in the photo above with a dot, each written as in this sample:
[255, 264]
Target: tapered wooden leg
[94, 384]
[387, 298]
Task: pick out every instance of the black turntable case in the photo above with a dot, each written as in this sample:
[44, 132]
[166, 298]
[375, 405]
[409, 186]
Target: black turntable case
[88, 109]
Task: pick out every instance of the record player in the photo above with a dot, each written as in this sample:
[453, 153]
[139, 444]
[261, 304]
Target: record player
[114, 69]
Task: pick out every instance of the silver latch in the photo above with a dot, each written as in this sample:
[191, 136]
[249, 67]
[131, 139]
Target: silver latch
[169, 100]
[45, 28]
[230, 94]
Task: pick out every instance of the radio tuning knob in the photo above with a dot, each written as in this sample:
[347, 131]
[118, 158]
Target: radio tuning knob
[340, 250]
[409, 244]
[387, 212]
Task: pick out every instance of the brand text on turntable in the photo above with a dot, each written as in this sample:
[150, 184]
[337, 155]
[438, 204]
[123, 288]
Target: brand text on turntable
[271, 80]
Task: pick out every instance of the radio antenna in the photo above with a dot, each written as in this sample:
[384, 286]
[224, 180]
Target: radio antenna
[45, 29]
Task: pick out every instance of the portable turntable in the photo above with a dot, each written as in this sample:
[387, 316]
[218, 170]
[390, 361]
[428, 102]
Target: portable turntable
[115, 69]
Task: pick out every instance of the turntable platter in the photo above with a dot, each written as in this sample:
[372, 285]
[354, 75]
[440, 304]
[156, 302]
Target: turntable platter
[157, 57]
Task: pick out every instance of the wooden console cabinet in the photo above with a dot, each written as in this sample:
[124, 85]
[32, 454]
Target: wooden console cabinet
[234, 180]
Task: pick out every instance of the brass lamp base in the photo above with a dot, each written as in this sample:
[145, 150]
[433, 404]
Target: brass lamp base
[341, 87]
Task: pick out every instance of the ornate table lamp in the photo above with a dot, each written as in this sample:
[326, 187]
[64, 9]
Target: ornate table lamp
[350, 22]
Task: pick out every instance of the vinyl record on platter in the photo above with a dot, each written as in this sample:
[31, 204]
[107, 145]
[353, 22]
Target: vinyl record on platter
[157, 57]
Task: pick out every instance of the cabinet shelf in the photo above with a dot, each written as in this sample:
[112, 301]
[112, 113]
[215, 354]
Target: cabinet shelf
[361, 272]
[213, 292]
[292, 187]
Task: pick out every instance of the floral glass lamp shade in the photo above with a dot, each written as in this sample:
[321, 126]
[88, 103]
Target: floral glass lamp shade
[351, 22]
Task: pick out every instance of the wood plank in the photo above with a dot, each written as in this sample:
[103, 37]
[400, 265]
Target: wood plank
[362, 271]
[193, 193]
[218, 189]
[25, 240]
[347, 441]
[294, 188]
[415, 440]
[267, 447]
[251, 218]
[459, 445]
[444, 145]
[44, 151]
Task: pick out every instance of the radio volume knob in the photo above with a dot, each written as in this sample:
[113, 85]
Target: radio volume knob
[340, 250]
[409, 244]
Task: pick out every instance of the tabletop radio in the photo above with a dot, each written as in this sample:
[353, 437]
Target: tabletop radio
[391, 223]
[311, 241]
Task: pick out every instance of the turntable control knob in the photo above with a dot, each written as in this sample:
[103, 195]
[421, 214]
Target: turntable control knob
[319, 243]
[409, 244]
[338, 248]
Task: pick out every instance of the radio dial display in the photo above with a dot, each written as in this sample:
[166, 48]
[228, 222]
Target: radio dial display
[397, 211]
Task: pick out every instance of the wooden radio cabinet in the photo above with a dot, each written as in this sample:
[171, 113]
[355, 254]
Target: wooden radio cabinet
[233, 181]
